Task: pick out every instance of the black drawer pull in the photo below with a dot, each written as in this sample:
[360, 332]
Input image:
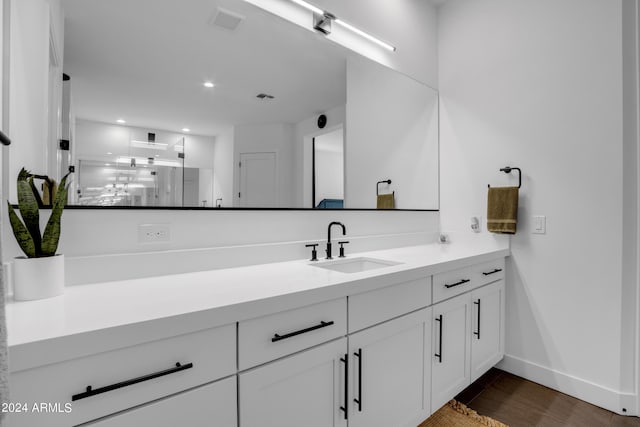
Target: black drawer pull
[346, 386]
[461, 282]
[439, 353]
[497, 270]
[277, 337]
[92, 392]
[477, 333]
[358, 354]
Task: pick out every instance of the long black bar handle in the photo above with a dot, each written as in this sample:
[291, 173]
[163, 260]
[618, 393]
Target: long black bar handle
[323, 324]
[439, 353]
[92, 392]
[497, 270]
[358, 354]
[461, 282]
[477, 333]
[346, 386]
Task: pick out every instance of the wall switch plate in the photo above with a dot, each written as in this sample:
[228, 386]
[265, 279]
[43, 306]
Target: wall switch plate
[539, 224]
[154, 233]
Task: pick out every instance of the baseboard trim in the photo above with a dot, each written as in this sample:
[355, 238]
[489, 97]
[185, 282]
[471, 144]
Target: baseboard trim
[612, 400]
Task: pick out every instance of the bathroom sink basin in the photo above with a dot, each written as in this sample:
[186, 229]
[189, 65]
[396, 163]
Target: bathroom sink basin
[355, 265]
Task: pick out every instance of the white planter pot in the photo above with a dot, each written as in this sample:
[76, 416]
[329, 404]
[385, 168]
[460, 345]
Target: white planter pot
[38, 278]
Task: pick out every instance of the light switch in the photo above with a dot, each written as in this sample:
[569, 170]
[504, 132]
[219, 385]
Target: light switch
[539, 224]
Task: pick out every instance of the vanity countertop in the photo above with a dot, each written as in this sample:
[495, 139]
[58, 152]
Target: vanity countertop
[99, 317]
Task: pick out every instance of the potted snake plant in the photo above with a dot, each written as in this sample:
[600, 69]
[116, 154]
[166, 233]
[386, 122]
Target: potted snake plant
[40, 273]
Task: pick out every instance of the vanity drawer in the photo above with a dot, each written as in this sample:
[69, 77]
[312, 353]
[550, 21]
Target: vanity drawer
[125, 377]
[370, 308]
[270, 337]
[210, 405]
[490, 271]
[452, 283]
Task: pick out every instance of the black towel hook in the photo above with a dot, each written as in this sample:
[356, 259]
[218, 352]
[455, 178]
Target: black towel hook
[508, 169]
[388, 181]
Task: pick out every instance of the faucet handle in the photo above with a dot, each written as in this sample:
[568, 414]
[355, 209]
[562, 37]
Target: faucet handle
[314, 252]
[342, 248]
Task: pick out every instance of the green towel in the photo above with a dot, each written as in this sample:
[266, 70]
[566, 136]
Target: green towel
[502, 210]
[386, 201]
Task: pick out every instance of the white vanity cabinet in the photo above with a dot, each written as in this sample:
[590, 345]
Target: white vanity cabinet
[388, 375]
[487, 336]
[306, 389]
[207, 406]
[450, 349]
[103, 384]
[468, 329]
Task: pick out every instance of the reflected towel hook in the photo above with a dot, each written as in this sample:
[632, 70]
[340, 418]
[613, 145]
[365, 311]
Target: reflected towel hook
[508, 169]
[388, 181]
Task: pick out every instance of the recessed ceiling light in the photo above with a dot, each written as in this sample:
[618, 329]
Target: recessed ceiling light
[157, 155]
[109, 152]
[209, 84]
[107, 164]
[121, 121]
[186, 130]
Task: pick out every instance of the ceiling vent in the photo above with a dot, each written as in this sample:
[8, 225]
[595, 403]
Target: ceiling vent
[226, 19]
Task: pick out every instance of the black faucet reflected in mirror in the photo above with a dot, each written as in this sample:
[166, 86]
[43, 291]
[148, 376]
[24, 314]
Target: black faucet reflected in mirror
[344, 231]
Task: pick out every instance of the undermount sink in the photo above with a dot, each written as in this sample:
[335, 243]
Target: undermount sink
[355, 265]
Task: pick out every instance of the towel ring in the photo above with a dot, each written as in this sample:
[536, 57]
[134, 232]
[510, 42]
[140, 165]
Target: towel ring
[388, 181]
[508, 169]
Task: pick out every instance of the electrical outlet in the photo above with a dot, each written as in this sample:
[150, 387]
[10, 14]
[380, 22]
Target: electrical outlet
[154, 233]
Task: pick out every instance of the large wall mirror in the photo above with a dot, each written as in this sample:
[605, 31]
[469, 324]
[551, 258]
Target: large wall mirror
[218, 103]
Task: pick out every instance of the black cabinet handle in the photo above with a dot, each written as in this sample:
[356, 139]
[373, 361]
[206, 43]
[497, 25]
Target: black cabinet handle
[277, 337]
[461, 282]
[497, 270]
[92, 392]
[346, 385]
[358, 354]
[439, 353]
[477, 333]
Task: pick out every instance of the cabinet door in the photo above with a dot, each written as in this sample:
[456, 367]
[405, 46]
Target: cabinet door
[487, 338]
[306, 389]
[450, 349]
[213, 405]
[388, 373]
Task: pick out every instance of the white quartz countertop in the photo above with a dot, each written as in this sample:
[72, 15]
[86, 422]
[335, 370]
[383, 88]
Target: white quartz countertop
[100, 317]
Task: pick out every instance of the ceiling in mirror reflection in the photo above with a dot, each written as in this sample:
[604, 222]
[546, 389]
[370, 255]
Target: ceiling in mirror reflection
[146, 61]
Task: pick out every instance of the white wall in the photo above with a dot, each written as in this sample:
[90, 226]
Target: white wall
[28, 88]
[223, 168]
[302, 150]
[395, 138]
[264, 138]
[329, 156]
[538, 85]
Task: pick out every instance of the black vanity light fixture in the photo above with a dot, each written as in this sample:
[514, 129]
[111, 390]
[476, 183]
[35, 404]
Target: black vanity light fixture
[265, 97]
[322, 21]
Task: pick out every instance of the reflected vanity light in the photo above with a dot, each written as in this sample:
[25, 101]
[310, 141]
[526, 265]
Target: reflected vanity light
[311, 7]
[186, 130]
[208, 84]
[149, 145]
[121, 121]
[325, 28]
[144, 161]
[365, 35]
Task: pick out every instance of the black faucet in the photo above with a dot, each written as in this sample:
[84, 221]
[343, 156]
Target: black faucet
[344, 231]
